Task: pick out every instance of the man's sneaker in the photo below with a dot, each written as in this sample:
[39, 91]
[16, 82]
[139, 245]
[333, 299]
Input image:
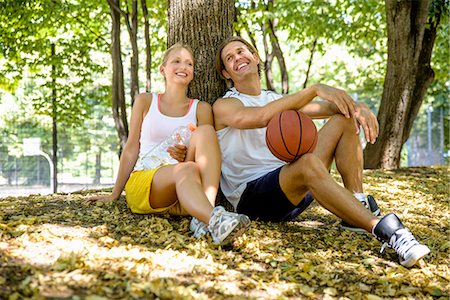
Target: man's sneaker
[391, 232]
[198, 228]
[225, 226]
[371, 205]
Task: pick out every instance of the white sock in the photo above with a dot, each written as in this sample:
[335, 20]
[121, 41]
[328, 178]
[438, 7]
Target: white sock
[361, 197]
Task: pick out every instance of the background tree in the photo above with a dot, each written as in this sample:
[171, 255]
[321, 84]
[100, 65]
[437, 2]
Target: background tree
[47, 38]
[412, 28]
[203, 25]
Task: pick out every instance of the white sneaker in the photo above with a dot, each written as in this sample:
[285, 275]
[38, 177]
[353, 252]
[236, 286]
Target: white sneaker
[225, 226]
[198, 228]
[408, 249]
[391, 232]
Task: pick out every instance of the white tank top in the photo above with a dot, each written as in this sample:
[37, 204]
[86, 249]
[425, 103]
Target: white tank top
[157, 126]
[245, 155]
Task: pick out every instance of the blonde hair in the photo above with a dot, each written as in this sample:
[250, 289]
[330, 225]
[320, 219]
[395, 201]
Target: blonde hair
[176, 46]
[219, 63]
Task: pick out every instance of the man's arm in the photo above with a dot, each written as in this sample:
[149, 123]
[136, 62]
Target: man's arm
[231, 112]
[364, 117]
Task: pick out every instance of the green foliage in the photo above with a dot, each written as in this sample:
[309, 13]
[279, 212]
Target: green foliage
[29, 28]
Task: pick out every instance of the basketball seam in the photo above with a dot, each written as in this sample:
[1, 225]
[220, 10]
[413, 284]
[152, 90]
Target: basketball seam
[301, 134]
[282, 136]
[275, 150]
[312, 144]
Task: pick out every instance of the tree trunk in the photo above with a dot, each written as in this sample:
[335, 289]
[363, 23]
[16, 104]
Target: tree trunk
[98, 167]
[276, 50]
[148, 48]
[408, 76]
[202, 25]
[313, 50]
[132, 33]
[269, 60]
[134, 89]
[55, 128]
[269, 30]
[118, 90]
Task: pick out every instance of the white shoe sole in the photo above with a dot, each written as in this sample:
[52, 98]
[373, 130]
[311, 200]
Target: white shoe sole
[237, 231]
[417, 255]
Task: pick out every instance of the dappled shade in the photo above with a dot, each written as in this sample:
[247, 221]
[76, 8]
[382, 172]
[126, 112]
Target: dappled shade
[57, 246]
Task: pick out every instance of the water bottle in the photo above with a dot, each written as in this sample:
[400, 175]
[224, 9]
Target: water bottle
[158, 155]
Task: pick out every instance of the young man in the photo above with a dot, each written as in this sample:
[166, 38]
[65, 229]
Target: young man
[263, 187]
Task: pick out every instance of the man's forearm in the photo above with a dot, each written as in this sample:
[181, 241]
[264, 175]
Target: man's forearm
[320, 109]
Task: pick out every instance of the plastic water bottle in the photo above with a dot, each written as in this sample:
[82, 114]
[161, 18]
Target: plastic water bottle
[158, 155]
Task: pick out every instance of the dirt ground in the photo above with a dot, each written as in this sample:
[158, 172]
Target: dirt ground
[58, 247]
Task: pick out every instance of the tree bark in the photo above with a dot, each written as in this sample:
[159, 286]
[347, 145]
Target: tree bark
[408, 76]
[269, 30]
[202, 25]
[148, 48]
[118, 90]
[54, 122]
[132, 33]
[276, 50]
[269, 59]
[313, 50]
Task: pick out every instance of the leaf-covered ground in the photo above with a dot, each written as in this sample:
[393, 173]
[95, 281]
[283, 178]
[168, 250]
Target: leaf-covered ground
[58, 247]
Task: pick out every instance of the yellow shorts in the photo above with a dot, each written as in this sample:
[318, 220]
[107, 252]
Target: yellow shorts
[137, 191]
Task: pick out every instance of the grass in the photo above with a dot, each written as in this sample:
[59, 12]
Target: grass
[57, 247]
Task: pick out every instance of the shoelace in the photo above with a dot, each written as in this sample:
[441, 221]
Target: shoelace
[405, 241]
[200, 227]
[219, 222]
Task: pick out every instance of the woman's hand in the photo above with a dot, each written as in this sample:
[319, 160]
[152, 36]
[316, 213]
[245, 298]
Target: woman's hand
[178, 152]
[101, 198]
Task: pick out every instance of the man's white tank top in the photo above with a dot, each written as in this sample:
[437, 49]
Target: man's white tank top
[245, 155]
[157, 126]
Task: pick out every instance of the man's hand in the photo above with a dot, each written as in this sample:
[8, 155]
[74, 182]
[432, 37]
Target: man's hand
[100, 198]
[178, 152]
[365, 118]
[343, 101]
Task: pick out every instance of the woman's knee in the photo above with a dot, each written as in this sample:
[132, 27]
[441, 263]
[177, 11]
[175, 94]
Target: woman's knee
[188, 168]
[205, 130]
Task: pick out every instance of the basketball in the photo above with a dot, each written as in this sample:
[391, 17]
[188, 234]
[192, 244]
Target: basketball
[290, 134]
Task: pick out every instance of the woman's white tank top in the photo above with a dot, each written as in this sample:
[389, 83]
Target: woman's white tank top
[157, 126]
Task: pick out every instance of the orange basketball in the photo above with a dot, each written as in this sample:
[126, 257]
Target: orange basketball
[290, 134]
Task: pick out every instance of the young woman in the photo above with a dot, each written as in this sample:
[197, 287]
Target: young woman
[189, 186]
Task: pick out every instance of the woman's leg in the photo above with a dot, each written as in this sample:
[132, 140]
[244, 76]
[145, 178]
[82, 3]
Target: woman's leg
[205, 152]
[181, 182]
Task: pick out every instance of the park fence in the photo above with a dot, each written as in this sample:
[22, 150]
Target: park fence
[24, 175]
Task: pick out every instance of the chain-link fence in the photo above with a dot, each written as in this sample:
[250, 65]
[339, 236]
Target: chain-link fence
[23, 175]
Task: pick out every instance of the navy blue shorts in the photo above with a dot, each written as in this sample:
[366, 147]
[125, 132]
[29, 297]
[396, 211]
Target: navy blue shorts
[264, 200]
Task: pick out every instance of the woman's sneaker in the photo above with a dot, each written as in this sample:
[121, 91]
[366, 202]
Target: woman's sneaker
[391, 232]
[225, 226]
[371, 205]
[198, 228]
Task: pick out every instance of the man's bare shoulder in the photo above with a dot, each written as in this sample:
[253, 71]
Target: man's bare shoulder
[226, 102]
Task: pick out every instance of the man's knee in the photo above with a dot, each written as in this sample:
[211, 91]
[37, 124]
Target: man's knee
[343, 122]
[310, 167]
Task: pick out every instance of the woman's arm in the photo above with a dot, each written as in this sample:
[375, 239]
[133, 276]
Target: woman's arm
[130, 152]
[204, 114]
